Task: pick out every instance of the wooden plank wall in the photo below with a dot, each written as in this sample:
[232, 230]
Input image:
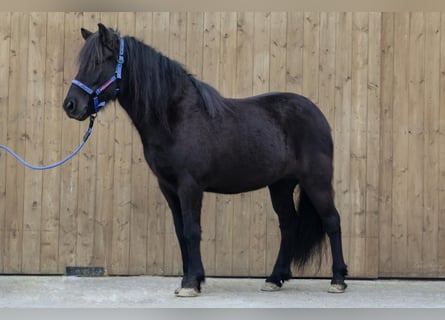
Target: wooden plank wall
[412, 146]
[378, 77]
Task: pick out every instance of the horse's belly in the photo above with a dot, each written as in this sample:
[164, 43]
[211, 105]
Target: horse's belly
[235, 188]
[248, 178]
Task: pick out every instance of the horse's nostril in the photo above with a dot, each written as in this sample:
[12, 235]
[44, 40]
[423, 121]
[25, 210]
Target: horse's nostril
[69, 106]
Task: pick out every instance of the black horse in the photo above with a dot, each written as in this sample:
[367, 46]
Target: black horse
[197, 141]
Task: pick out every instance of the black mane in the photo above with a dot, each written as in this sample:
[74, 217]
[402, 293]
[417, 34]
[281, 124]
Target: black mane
[155, 81]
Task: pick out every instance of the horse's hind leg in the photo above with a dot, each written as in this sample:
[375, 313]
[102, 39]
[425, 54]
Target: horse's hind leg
[318, 188]
[323, 202]
[281, 194]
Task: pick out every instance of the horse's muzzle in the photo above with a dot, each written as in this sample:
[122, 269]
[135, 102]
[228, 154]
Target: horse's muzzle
[73, 111]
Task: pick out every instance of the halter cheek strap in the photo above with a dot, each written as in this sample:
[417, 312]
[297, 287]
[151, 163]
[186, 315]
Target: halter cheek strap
[98, 104]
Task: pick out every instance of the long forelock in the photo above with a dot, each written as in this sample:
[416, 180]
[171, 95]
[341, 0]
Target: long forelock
[91, 52]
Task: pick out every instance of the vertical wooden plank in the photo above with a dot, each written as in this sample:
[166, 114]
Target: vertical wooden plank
[210, 74]
[326, 95]
[139, 176]
[177, 50]
[195, 34]
[225, 204]
[326, 99]
[441, 222]
[342, 124]
[278, 45]
[34, 139]
[242, 207]
[261, 53]
[15, 140]
[294, 55]
[430, 241]
[358, 140]
[122, 170]
[261, 58]
[5, 38]
[70, 138]
[373, 146]
[277, 82]
[158, 206]
[416, 100]
[386, 145]
[104, 133]
[87, 183]
[49, 233]
[311, 55]
[400, 143]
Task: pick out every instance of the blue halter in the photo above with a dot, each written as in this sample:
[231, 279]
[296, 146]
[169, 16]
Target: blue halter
[117, 76]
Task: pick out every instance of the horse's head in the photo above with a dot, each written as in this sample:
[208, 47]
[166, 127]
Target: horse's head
[100, 67]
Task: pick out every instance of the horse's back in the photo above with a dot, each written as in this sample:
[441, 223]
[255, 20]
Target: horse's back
[294, 114]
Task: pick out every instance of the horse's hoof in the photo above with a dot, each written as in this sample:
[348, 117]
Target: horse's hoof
[270, 287]
[186, 292]
[337, 288]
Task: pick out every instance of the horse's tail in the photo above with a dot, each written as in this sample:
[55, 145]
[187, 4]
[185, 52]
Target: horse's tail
[310, 235]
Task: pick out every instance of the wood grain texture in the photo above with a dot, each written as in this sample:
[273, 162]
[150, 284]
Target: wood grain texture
[5, 36]
[400, 142]
[52, 127]
[373, 145]
[441, 232]
[14, 201]
[430, 230]
[386, 143]
[70, 138]
[32, 197]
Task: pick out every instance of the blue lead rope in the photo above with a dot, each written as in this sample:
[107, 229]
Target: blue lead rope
[26, 164]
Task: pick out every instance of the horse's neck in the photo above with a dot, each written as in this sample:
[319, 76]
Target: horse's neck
[180, 88]
[148, 125]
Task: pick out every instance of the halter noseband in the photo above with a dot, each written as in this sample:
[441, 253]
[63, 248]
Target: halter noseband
[117, 76]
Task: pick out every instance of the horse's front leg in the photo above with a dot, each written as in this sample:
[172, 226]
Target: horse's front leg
[175, 207]
[190, 197]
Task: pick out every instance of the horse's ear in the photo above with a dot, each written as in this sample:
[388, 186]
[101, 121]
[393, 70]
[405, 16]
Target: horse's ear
[106, 36]
[85, 33]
